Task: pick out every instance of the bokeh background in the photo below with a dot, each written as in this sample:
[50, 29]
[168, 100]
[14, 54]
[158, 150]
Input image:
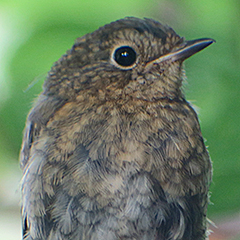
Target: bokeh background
[34, 34]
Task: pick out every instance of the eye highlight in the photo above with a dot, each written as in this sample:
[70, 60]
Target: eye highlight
[125, 56]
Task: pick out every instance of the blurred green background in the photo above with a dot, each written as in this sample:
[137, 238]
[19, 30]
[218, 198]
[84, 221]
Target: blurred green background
[34, 34]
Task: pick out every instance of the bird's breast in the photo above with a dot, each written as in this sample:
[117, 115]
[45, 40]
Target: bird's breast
[162, 139]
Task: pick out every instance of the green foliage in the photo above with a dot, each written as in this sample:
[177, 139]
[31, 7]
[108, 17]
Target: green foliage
[39, 32]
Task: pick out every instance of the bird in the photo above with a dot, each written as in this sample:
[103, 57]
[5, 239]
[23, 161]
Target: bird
[111, 148]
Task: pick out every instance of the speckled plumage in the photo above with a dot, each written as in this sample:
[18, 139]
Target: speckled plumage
[115, 153]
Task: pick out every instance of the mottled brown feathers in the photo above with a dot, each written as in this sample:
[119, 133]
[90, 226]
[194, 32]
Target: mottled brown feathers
[115, 152]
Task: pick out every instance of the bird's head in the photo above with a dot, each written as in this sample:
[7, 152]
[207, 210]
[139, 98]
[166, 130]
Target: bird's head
[129, 58]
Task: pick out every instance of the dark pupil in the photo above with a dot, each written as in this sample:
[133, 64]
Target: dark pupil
[125, 56]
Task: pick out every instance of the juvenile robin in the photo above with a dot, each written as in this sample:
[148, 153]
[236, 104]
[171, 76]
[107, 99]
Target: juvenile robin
[112, 150]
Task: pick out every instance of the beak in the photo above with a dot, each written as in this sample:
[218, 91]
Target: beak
[185, 50]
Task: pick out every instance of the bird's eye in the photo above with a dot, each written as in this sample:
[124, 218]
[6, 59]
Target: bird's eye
[125, 56]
